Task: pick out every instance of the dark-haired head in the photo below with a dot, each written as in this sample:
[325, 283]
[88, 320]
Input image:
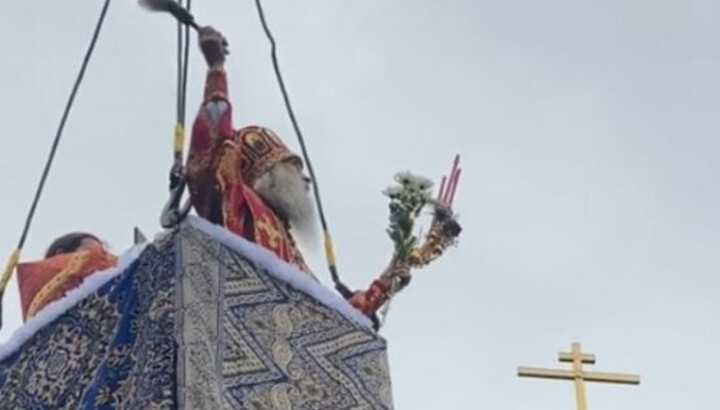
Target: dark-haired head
[70, 243]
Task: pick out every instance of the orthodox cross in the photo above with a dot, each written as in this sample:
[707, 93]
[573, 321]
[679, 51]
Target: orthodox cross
[577, 374]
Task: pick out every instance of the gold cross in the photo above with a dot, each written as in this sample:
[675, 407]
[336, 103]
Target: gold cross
[580, 376]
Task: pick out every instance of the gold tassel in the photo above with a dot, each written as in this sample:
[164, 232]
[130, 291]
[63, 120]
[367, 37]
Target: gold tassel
[329, 250]
[11, 264]
[179, 140]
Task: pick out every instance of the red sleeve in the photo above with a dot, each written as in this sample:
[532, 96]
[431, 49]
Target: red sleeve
[213, 123]
[369, 301]
[212, 170]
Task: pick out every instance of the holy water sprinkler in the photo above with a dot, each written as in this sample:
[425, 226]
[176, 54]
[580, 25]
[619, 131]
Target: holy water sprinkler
[170, 6]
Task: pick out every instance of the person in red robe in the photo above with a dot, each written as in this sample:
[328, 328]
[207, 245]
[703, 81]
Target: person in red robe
[68, 261]
[247, 180]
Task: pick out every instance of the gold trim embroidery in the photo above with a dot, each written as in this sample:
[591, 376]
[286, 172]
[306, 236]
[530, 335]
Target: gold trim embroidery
[41, 298]
[264, 225]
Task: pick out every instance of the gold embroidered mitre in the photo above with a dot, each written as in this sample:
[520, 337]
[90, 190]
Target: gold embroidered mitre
[260, 150]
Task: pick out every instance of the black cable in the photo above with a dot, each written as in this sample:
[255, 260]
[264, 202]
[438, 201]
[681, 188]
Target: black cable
[58, 135]
[178, 106]
[185, 69]
[183, 51]
[344, 290]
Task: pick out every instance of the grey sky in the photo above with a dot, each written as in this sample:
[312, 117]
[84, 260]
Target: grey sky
[589, 198]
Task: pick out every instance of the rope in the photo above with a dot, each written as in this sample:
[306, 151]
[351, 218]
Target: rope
[15, 256]
[183, 52]
[329, 250]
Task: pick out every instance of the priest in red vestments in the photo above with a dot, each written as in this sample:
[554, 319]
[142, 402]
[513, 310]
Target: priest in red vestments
[248, 181]
[68, 261]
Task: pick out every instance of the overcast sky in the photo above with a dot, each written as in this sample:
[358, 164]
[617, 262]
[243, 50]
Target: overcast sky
[589, 195]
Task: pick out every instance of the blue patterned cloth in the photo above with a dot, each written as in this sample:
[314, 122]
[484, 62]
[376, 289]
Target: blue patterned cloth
[113, 350]
[193, 324]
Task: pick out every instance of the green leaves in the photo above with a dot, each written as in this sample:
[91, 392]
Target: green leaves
[407, 200]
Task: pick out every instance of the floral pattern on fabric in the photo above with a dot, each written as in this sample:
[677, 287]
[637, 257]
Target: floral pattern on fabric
[113, 350]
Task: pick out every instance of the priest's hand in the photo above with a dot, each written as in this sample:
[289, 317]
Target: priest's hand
[213, 46]
[397, 275]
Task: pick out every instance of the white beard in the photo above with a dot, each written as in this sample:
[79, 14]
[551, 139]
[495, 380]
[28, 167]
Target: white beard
[286, 193]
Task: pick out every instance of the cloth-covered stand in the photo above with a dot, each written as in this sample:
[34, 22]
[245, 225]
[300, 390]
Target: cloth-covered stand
[197, 319]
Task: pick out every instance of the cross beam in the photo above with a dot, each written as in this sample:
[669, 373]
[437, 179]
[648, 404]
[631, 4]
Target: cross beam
[577, 374]
[558, 374]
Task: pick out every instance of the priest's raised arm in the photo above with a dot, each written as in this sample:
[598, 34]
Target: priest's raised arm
[245, 179]
[212, 132]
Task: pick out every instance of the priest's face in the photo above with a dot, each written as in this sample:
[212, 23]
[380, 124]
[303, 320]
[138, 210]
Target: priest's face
[287, 190]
